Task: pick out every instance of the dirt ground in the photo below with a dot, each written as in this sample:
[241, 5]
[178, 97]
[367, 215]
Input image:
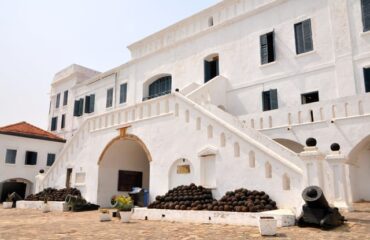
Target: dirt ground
[32, 224]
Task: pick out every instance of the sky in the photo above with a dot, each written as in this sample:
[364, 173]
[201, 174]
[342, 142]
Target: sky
[41, 37]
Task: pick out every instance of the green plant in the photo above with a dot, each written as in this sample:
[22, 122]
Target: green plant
[9, 198]
[123, 203]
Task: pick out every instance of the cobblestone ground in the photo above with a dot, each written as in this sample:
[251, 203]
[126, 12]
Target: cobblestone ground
[32, 224]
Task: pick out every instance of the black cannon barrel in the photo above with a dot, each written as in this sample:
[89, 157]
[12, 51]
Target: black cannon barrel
[314, 197]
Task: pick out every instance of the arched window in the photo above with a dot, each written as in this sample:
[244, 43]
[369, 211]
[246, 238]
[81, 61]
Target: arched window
[159, 87]
[252, 159]
[199, 122]
[268, 170]
[222, 140]
[210, 131]
[236, 150]
[286, 182]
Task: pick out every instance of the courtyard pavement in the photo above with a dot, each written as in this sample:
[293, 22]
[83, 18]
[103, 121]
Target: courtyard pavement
[32, 224]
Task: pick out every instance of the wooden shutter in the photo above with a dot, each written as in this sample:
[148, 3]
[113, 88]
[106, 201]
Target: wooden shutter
[265, 100]
[207, 71]
[264, 49]
[367, 79]
[87, 104]
[307, 35]
[81, 107]
[76, 108]
[65, 98]
[123, 93]
[298, 30]
[271, 46]
[273, 99]
[92, 103]
[365, 7]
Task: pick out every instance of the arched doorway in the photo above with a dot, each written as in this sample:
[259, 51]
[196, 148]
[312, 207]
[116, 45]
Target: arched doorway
[22, 187]
[359, 169]
[124, 164]
[290, 144]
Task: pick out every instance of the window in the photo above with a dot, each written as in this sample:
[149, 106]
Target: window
[50, 159]
[129, 179]
[211, 68]
[210, 22]
[78, 108]
[65, 98]
[10, 156]
[89, 103]
[365, 6]
[303, 37]
[159, 87]
[54, 123]
[63, 124]
[310, 97]
[367, 79]
[270, 100]
[267, 48]
[57, 101]
[109, 102]
[31, 158]
[123, 93]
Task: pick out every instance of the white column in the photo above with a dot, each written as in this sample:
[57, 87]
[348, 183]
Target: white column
[313, 165]
[338, 181]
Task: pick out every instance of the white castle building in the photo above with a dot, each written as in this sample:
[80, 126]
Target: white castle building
[226, 99]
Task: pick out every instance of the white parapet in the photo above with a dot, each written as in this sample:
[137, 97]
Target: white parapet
[284, 217]
[53, 206]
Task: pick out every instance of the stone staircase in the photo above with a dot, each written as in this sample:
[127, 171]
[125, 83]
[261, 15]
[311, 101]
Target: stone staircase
[246, 158]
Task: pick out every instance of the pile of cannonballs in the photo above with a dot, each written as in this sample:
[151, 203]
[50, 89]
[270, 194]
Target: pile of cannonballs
[52, 194]
[194, 197]
[243, 200]
[190, 197]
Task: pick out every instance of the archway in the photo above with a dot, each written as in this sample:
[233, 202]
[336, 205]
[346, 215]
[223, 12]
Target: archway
[359, 168]
[124, 164]
[290, 144]
[22, 187]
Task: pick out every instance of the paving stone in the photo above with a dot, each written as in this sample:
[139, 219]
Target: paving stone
[32, 224]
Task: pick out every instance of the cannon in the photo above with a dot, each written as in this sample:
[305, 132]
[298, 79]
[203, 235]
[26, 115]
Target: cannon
[76, 203]
[316, 211]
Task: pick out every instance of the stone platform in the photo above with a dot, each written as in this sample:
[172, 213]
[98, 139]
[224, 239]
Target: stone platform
[54, 206]
[284, 217]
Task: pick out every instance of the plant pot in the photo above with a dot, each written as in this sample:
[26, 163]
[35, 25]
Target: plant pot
[105, 217]
[267, 226]
[7, 205]
[45, 208]
[125, 216]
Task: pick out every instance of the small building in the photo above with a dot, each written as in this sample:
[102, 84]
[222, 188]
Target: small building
[24, 151]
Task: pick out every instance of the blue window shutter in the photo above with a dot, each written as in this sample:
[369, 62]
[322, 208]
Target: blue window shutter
[92, 103]
[207, 71]
[123, 93]
[307, 35]
[87, 104]
[81, 107]
[265, 100]
[273, 99]
[76, 108]
[264, 49]
[298, 30]
[365, 6]
[367, 79]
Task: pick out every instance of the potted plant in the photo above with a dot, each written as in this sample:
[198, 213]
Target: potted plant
[45, 206]
[267, 226]
[8, 202]
[125, 206]
[104, 215]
